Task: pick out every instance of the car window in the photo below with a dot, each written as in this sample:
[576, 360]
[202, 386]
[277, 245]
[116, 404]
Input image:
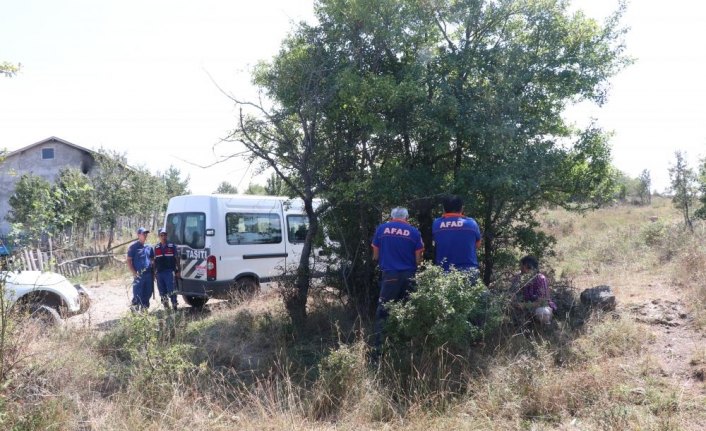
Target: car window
[187, 229]
[297, 227]
[253, 228]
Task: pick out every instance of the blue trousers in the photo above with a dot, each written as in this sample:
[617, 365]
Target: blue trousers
[165, 284]
[394, 286]
[142, 288]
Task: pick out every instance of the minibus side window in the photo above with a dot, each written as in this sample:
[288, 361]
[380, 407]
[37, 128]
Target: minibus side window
[253, 228]
[297, 227]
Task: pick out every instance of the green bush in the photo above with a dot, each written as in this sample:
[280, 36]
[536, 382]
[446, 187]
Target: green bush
[155, 362]
[653, 233]
[341, 374]
[445, 309]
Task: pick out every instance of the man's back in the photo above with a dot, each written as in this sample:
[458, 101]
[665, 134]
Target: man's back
[397, 242]
[455, 240]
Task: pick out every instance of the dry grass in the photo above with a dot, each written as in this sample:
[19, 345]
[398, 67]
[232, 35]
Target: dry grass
[243, 367]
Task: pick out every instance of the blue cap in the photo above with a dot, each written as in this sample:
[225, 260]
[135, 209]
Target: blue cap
[142, 230]
[162, 230]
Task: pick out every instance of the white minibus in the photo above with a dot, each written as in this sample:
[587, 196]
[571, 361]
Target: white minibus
[233, 242]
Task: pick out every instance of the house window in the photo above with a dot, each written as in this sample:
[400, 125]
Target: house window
[47, 153]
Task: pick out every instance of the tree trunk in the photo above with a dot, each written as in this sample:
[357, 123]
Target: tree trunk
[296, 301]
[488, 250]
[424, 208]
[488, 242]
[111, 233]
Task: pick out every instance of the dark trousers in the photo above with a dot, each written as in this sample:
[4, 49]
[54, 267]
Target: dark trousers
[142, 288]
[394, 286]
[165, 284]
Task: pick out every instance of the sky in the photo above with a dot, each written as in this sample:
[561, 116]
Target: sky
[140, 77]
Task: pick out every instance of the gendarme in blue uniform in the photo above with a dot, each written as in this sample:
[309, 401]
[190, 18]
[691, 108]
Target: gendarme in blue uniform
[165, 264]
[455, 238]
[165, 257]
[143, 284]
[397, 242]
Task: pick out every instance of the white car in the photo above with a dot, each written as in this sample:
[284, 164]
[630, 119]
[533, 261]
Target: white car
[46, 295]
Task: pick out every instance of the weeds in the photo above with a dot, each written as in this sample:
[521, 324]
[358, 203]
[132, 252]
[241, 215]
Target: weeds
[243, 367]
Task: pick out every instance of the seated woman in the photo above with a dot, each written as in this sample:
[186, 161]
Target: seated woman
[532, 299]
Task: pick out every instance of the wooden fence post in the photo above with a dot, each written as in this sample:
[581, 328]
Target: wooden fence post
[40, 261]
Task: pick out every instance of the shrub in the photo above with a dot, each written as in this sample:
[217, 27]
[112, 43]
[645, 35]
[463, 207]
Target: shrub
[653, 233]
[445, 309]
[341, 374]
[156, 363]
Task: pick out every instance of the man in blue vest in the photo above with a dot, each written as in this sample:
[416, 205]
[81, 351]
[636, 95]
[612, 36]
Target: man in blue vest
[398, 247]
[166, 264]
[139, 259]
[456, 239]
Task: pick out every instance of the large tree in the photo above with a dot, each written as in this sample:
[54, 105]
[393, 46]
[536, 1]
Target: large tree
[683, 186]
[388, 102]
[174, 185]
[112, 193]
[701, 212]
[498, 87]
[73, 203]
[285, 135]
[32, 206]
[226, 188]
[644, 189]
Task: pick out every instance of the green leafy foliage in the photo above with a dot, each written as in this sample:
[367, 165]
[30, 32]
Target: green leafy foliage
[226, 188]
[653, 233]
[255, 189]
[155, 360]
[440, 311]
[684, 187]
[124, 191]
[32, 205]
[644, 191]
[174, 185]
[701, 212]
[111, 187]
[276, 187]
[72, 195]
[385, 103]
[341, 374]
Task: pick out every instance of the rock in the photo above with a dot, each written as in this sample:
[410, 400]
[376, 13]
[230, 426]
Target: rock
[600, 297]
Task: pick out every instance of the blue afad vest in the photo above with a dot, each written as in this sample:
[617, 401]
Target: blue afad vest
[455, 238]
[398, 242]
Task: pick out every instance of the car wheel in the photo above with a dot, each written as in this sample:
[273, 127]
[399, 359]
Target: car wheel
[45, 315]
[196, 301]
[84, 299]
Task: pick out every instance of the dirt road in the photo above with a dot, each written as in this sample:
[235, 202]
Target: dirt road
[110, 300]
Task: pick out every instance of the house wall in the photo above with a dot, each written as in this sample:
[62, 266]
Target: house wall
[29, 161]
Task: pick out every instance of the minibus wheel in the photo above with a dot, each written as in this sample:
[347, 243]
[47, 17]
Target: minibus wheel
[196, 301]
[247, 285]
